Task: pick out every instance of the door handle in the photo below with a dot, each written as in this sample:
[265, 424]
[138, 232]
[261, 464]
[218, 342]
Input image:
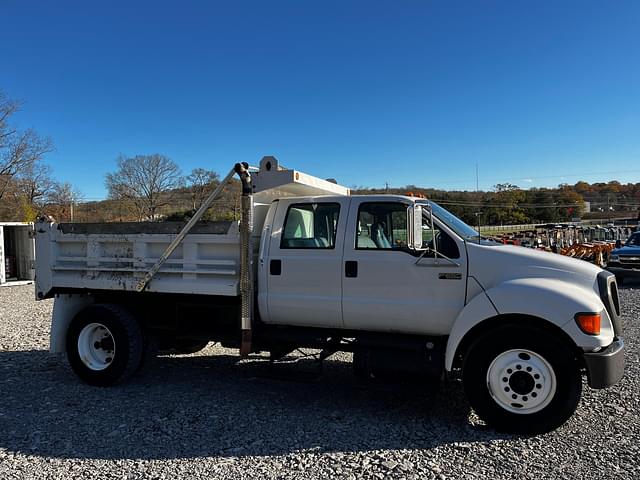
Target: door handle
[275, 267]
[351, 269]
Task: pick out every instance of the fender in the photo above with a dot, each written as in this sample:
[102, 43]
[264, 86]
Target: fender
[65, 307]
[552, 300]
[477, 310]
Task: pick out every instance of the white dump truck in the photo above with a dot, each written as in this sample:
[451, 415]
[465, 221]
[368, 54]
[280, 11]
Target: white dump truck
[397, 280]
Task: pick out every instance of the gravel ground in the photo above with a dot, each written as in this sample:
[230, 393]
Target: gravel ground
[210, 415]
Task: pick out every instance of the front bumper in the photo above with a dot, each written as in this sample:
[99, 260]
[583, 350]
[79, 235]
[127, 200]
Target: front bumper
[606, 367]
[622, 271]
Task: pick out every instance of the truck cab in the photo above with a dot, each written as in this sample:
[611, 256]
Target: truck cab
[346, 262]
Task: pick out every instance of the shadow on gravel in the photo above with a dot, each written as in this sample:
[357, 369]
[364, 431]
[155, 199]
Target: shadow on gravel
[196, 406]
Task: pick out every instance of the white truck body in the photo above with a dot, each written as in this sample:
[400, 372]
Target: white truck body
[335, 275]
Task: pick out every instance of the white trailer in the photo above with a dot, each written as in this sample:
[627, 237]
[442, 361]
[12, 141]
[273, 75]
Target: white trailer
[17, 250]
[397, 280]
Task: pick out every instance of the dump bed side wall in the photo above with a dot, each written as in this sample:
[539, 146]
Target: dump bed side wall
[87, 258]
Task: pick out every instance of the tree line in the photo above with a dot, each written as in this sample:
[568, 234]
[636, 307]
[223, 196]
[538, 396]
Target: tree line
[508, 204]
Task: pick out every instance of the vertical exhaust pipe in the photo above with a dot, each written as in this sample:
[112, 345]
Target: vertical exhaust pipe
[246, 258]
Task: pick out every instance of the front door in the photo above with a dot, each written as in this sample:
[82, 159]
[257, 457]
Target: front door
[386, 286]
[304, 265]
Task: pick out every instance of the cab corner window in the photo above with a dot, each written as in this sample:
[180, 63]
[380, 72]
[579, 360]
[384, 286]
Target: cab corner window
[310, 225]
[382, 226]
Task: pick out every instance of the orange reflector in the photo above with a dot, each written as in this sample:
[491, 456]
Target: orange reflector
[589, 323]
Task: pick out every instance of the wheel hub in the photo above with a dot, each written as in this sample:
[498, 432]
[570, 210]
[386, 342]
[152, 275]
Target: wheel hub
[96, 346]
[521, 381]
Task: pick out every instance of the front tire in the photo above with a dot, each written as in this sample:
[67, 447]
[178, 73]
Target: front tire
[105, 344]
[522, 380]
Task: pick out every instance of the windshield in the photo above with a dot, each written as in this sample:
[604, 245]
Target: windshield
[453, 222]
[634, 240]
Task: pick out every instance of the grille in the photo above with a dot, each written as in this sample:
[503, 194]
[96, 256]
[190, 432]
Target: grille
[613, 294]
[630, 260]
[609, 296]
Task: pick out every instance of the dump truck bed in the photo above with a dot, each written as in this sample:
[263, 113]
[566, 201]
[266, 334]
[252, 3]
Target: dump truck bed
[115, 256]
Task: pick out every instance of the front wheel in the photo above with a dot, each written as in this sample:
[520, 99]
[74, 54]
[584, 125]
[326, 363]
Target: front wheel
[105, 344]
[522, 380]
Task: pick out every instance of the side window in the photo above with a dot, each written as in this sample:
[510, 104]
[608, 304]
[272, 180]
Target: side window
[310, 225]
[443, 242]
[382, 226]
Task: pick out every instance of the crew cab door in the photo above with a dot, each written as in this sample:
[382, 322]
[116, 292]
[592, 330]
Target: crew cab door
[304, 265]
[386, 287]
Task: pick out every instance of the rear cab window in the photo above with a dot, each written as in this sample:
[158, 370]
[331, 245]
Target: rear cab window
[310, 226]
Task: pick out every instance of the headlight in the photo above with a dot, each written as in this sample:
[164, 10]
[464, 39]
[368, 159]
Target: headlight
[614, 258]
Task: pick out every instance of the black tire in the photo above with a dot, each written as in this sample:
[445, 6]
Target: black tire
[126, 337]
[619, 280]
[557, 407]
[360, 364]
[182, 346]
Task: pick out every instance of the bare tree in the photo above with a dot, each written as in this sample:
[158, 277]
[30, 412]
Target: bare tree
[146, 181]
[35, 184]
[201, 182]
[19, 150]
[62, 199]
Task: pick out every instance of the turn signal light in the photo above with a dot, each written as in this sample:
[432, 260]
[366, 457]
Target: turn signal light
[589, 323]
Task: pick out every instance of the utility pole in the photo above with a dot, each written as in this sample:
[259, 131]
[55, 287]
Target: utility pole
[478, 213]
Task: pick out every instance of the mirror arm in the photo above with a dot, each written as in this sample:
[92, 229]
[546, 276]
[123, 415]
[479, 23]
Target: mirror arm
[426, 250]
[453, 262]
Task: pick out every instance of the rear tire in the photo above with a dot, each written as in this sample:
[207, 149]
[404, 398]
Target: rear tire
[619, 280]
[522, 380]
[105, 344]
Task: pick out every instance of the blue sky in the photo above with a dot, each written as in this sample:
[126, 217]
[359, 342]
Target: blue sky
[413, 92]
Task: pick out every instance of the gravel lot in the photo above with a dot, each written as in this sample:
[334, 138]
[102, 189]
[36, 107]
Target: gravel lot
[211, 416]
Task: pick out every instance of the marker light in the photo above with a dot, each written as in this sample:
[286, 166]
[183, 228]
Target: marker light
[589, 323]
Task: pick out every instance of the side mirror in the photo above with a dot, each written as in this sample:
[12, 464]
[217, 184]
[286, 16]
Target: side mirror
[414, 220]
[618, 243]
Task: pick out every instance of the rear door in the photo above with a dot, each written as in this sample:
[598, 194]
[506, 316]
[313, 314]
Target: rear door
[304, 266]
[25, 252]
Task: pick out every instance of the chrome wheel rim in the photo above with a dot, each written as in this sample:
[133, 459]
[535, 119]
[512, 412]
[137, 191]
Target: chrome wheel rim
[521, 381]
[96, 346]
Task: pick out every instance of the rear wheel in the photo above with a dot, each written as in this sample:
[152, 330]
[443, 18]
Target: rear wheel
[619, 279]
[104, 344]
[522, 380]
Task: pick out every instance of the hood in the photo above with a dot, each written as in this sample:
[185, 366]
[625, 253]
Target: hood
[626, 250]
[491, 264]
